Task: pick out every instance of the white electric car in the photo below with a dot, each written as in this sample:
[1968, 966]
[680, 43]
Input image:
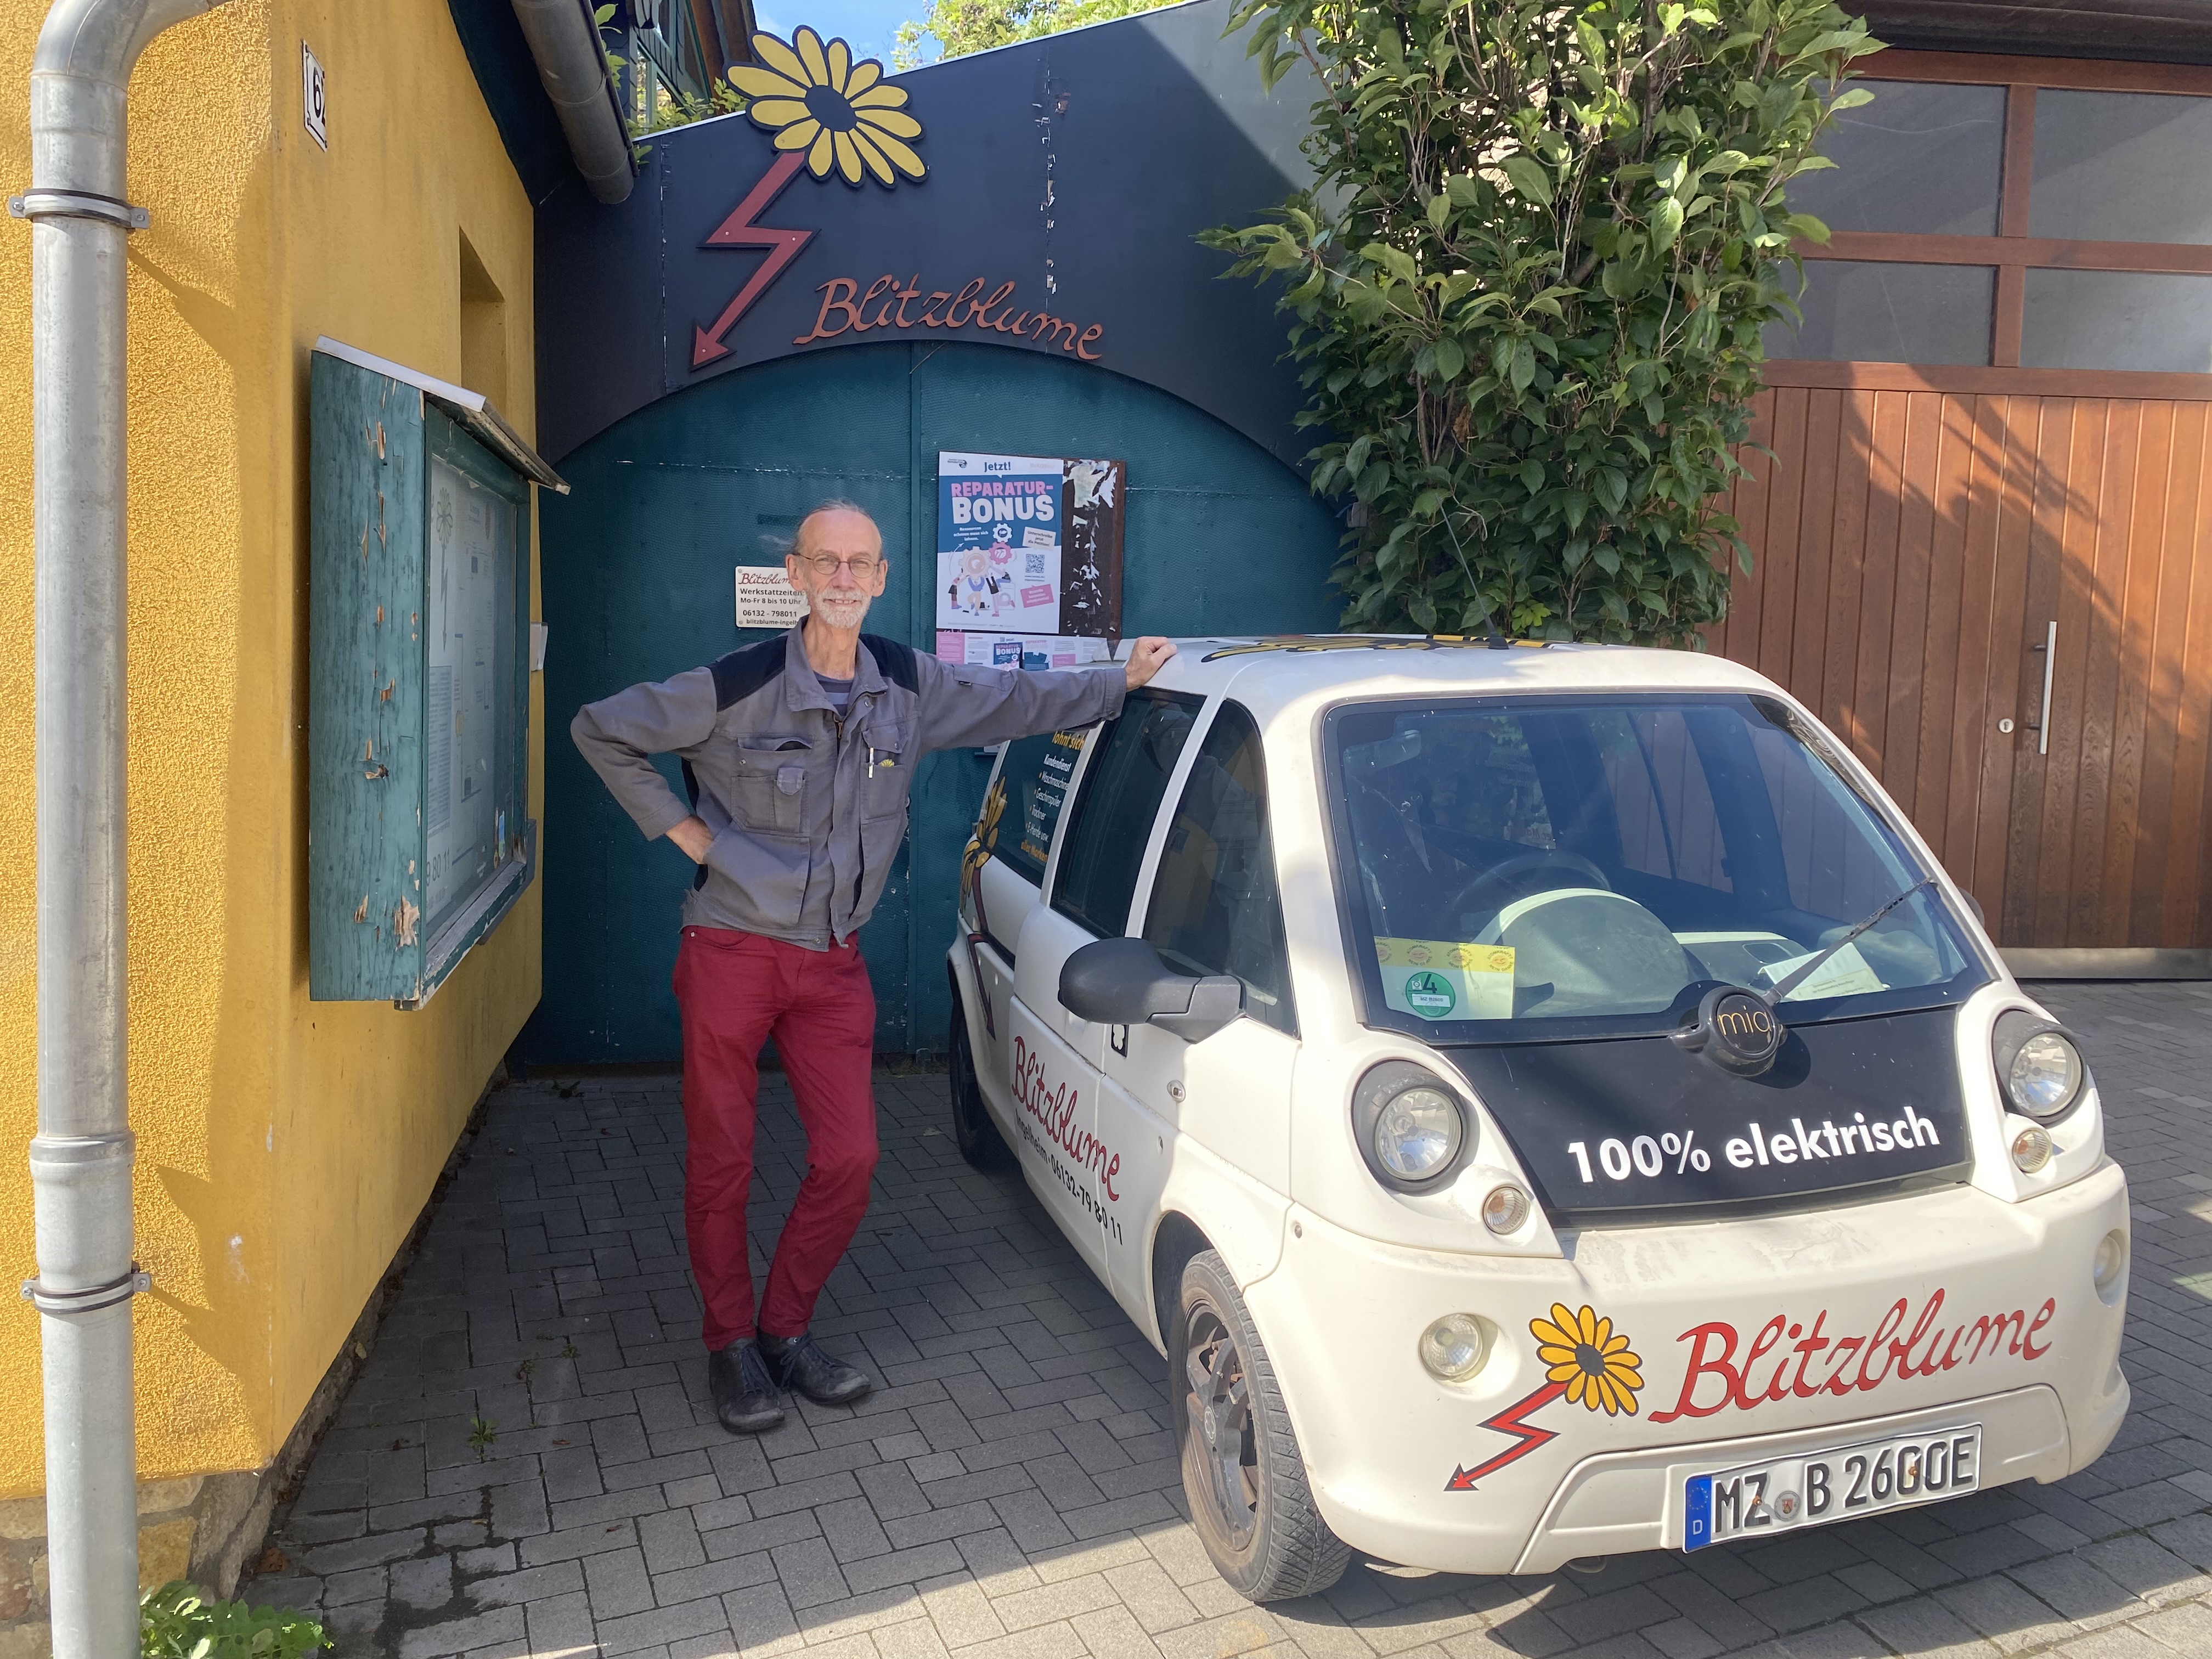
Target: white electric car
[1543, 1102]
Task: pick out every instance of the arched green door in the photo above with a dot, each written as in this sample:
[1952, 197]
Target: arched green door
[636, 580]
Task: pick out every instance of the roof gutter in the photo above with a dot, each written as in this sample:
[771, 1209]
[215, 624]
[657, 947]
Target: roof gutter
[82, 1152]
[565, 40]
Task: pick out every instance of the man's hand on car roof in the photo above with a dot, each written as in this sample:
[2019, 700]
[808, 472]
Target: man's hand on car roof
[1145, 656]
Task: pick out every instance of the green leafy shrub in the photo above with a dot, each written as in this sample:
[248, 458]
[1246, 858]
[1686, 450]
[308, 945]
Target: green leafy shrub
[962, 27]
[177, 1622]
[1528, 286]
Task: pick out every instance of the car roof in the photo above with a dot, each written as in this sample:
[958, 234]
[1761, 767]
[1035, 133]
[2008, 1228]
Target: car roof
[1267, 673]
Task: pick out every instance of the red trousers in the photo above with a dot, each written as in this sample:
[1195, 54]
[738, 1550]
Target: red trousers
[736, 990]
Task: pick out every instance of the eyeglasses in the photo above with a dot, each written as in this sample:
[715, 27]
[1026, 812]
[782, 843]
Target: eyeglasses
[863, 566]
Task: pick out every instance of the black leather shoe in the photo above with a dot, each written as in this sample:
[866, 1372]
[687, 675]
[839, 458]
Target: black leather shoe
[799, 1364]
[744, 1391]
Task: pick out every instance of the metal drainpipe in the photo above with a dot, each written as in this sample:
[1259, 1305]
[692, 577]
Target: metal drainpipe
[81, 1155]
[573, 65]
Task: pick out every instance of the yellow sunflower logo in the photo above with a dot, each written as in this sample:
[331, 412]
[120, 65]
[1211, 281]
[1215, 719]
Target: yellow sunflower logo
[984, 840]
[1587, 1361]
[816, 99]
[1585, 1354]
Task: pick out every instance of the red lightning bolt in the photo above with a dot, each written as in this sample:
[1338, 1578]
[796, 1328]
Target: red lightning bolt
[1508, 1422]
[739, 230]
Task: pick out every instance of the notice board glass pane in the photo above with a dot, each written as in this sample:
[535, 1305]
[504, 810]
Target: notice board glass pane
[470, 638]
[2128, 320]
[1860, 311]
[1923, 156]
[2122, 167]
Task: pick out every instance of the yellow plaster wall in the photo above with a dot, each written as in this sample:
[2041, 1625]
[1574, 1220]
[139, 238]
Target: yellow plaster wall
[285, 1146]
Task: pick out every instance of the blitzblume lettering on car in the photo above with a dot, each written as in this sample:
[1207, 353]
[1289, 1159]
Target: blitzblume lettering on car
[1591, 1365]
[1842, 1365]
[1048, 1129]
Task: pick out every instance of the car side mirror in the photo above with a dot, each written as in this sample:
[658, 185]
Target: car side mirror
[1122, 982]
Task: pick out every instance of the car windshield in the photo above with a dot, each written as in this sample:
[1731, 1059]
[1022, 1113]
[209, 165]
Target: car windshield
[1554, 867]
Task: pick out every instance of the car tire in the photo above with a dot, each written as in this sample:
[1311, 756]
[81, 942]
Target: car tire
[1241, 1471]
[973, 1132]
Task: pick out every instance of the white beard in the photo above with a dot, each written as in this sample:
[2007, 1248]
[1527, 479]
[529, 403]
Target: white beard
[842, 613]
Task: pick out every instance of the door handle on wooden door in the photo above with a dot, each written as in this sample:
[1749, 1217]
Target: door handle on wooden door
[2041, 724]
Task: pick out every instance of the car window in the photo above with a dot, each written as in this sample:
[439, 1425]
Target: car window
[1557, 865]
[1215, 907]
[1114, 813]
[1034, 776]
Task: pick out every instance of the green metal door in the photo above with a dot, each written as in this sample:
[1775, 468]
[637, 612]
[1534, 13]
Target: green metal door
[636, 585]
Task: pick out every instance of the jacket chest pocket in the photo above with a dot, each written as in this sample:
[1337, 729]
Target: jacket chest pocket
[887, 759]
[770, 785]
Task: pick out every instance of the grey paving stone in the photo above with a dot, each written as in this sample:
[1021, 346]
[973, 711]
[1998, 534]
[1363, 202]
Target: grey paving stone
[424, 1584]
[657, 1626]
[2013, 1621]
[457, 1636]
[361, 1585]
[355, 1552]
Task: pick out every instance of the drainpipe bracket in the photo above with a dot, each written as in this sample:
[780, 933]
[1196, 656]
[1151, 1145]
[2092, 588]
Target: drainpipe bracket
[93, 1298]
[77, 204]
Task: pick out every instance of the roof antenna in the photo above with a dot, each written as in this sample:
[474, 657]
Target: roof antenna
[1498, 641]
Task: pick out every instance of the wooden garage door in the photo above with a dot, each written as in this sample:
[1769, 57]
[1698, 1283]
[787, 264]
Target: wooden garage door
[1989, 474]
[1913, 548]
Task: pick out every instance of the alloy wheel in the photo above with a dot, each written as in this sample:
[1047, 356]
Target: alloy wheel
[1219, 1407]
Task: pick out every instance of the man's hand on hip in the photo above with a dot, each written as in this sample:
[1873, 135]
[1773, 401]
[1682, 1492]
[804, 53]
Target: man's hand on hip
[694, 837]
[1145, 656]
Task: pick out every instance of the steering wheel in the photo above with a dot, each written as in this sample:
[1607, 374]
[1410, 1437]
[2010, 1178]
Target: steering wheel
[1521, 865]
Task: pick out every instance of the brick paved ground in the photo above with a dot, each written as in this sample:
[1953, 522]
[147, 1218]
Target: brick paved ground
[1010, 1489]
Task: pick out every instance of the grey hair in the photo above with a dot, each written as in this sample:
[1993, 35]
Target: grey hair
[834, 504]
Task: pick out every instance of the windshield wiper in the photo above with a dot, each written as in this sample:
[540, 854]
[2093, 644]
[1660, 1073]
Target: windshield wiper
[1775, 996]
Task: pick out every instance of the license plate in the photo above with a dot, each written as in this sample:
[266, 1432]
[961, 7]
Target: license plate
[1783, 1493]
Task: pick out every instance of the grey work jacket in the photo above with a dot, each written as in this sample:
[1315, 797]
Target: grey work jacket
[808, 809]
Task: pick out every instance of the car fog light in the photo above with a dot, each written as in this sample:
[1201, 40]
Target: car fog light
[1455, 1347]
[2109, 1271]
[2031, 1150]
[1504, 1208]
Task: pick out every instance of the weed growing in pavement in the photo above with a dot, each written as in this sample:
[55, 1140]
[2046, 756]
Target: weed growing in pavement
[177, 1622]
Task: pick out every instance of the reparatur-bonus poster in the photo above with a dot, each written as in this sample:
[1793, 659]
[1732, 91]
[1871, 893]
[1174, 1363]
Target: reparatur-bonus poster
[998, 543]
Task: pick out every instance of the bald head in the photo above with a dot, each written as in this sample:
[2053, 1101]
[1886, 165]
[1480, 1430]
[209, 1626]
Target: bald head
[837, 560]
[841, 521]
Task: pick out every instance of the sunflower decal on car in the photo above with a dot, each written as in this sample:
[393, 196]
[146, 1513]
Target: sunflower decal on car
[982, 843]
[1586, 1360]
[1585, 1354]
[841, 114]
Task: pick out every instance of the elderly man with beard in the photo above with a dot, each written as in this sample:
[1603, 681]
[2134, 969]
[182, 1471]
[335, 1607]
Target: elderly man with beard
[798, 754]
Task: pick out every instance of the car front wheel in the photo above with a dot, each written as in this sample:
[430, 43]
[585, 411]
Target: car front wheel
[1241, 1467]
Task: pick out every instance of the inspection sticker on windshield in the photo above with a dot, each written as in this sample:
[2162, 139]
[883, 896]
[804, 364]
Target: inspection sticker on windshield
[1435, 979]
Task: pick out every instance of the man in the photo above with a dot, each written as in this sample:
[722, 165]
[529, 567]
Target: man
[798, 754]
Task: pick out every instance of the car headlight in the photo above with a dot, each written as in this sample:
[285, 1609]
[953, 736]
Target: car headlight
[1410, 1125]
[2039, 1067]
